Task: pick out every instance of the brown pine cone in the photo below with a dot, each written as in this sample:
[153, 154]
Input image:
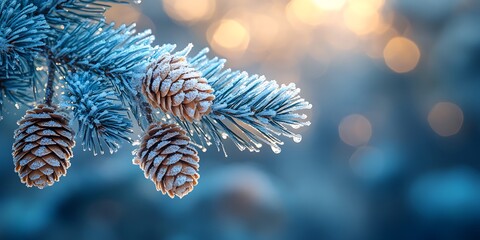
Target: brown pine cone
[168, 159]
[173, 86]
[43, 146]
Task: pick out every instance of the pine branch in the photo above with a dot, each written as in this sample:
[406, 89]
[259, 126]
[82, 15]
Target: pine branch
[22, 35]
[118, 56]
[113, 75]
[15, 86]
[115, 54]
[248, 109]
[49, 91]
[100, 115]
[40, 75]
[60, 12]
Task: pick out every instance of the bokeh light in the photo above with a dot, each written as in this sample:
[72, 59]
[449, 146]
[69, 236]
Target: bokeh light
[263, 32]
[355, 130]
[374, 48]
[189, 11]
[447, 194]
[367, 6]
[401, 54]
[123, 14]
[359, 21]
[330, 5]
[306, 12]
[229, 37]
[446, 119]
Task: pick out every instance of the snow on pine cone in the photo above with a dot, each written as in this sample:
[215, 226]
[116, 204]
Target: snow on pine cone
[168, 159]
[173, 86]
[43, 146]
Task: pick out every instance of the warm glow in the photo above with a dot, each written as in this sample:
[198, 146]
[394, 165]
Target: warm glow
[228, 36]
[385, 24]
[188, 10]
[123, 14]
[446, 119]
[304, 11]
[330, 5]
[360, 22]
[355, 130]
[341, 40]
[363, 16]
[374, 48]
[367, 6]
[401, 54]
[264, 30]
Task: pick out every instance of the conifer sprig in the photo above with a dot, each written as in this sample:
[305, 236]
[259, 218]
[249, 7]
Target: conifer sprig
[249, 110]
[116, 54]
[100, 115]
[109, 76]
[58, 12]
[22, 35]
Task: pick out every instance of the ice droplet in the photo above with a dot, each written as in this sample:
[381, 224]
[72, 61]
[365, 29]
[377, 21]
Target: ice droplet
[241, 148]
[134, 152]
[295, 126]
[224, 135]
[297, 138]
[276, 149]
[136, 143]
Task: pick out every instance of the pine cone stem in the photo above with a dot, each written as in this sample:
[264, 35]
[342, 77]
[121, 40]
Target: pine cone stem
[145, 108]
[148, 112]
[49, 91]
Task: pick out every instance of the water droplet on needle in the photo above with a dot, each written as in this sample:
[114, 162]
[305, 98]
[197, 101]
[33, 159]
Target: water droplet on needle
[297, 138]
[276, 149]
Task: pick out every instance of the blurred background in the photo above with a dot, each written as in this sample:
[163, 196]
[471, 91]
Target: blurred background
[392, 151]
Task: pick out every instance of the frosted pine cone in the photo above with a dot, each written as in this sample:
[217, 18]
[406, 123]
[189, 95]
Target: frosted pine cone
[173, 86]
[168, 159]
[43, 146]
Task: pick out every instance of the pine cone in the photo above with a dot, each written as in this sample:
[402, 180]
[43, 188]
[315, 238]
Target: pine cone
[173, 86]
[43, 146]
[168, 159]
